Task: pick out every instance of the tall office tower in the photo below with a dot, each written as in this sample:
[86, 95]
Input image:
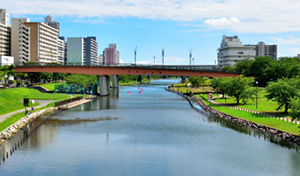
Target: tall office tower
[20, 40]
[61, 50]
[91, 50]
[43, 42]
[76, 50]
[231, 51]
[266, 50]
[5, 33]
[111, 55]
[50, 22]
[4, 17]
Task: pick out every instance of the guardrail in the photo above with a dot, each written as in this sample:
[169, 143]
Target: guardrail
[212, 68]
[66, 102]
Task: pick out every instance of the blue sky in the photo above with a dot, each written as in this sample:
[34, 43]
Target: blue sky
[177, 25]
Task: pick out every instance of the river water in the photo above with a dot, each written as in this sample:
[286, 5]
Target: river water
[152, 133]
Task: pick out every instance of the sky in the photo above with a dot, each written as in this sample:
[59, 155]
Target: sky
[180, 26]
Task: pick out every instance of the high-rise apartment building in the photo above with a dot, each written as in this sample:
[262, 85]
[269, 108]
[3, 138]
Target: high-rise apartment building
[50, 22]
[43, 42]
[5, 33]
[231, 51]
[61, 50]
[111, 55]
[4, 17]
[20, 40]
[266, 50]
[91, 50]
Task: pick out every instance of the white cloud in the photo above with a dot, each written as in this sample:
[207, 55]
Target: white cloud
[222, 21]
[121, 61]
[268, 16]
[290, 40]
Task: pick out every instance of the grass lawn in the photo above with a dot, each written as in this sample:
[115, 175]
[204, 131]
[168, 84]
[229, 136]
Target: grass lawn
[12, 99]
[267, 121]
[14, 118]
[263, 104]
[51, 86]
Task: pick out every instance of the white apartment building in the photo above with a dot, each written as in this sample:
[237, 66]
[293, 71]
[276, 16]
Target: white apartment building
[61, 51]
[231, 51]
[4, 17]
[76, 50]
[20, 40]
[5, 33]
[43, 42]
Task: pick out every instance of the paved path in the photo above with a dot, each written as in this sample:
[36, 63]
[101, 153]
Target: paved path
[42, 104]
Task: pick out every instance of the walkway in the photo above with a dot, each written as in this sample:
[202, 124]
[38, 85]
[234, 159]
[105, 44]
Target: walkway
[42, 104]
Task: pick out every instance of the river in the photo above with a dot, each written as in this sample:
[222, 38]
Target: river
[152, 133]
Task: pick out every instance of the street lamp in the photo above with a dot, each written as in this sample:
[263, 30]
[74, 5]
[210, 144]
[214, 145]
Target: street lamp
[256, 95]
[191, 57]
[154, 59]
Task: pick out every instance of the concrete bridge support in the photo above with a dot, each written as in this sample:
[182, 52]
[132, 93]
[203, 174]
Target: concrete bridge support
[104, 85]
[115, 81]
[183, 79]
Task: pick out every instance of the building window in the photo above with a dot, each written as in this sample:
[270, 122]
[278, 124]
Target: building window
[241, 52]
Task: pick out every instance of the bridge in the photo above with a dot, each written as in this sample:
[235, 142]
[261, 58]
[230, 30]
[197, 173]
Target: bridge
[126, 69]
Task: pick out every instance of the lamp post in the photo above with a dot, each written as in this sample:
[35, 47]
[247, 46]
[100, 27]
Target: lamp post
[256, 95]
[191, 57]
[154, 59]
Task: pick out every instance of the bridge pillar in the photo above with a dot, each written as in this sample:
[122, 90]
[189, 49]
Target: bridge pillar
[183, 79]
[149, 78]
[140, 78]
[104, 85]
[115, 81]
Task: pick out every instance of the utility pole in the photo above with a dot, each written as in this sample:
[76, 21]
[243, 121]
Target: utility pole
[163, 54]
[154, 59]
[191, 57]
[135, 55]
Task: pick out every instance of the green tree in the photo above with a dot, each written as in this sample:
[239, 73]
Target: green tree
[282, 91]
[8, 71]
[81, 79]
[195, 81]
[220, 84]
[228, 69]
[241, 88]
[295, 107]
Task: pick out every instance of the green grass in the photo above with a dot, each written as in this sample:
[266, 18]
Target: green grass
[267, 121]
[16, 117]
[51, 86]
[12, 99]
[263, 104]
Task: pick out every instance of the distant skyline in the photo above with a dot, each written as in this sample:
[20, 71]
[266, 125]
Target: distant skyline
[178, 26]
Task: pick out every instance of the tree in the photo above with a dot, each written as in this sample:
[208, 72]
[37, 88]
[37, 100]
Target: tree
[7, 72]
[241, 88]
[295, 107]
[195, 81]
[81, 79]
[282, 91]
[220, 84]
[228, 69]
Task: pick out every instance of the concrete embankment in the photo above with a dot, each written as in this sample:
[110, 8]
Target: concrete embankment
[275, 133]
[14, 128]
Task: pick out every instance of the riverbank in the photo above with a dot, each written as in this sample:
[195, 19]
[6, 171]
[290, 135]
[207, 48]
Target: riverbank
[15, 127]
[260, 128]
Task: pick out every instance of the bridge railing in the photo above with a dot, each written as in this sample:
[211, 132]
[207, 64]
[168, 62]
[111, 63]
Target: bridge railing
[213, 68]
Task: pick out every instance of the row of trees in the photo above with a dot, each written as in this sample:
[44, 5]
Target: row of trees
[265, 69]
[284, 91]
